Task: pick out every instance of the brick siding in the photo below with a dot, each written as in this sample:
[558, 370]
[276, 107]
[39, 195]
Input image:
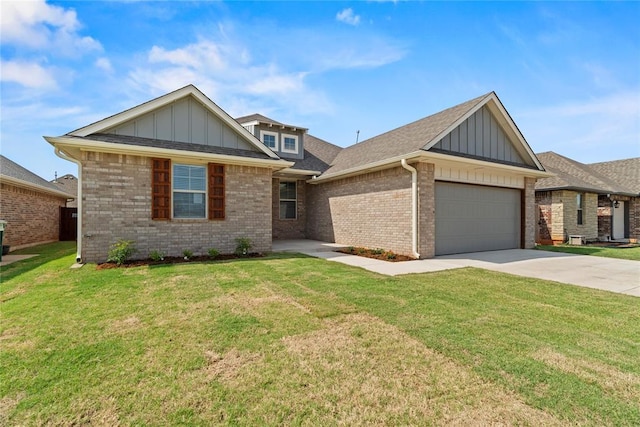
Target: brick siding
[426, 209]
[529, 214]
[634, 219]
[371, 210]
[117, 205]
[605, 219]
[33, 217]
[289, 228]
[545, 219]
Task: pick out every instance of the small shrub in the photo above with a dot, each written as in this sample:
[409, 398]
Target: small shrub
[156, 255]
[377, 251]
[188, 254]
[244, 245]
[121, 251]
[213, 253]
[391, 255]
[351, 249]
[362, 251]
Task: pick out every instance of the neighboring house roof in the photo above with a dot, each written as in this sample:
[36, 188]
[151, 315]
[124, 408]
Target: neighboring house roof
[318, 154]
[573, 175]
[624, 172]
[259, 118]
[13, 173]
[67, 183]
[422, 135]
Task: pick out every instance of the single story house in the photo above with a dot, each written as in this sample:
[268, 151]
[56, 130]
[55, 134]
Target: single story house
[597, 201]
[30, 205]
[178, 172]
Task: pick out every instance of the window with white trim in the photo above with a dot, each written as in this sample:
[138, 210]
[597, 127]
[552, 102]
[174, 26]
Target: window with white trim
[189, 191]
[290, 143]
[270, 139]
[288, 200]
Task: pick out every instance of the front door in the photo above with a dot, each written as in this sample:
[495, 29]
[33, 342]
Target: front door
[618, 221]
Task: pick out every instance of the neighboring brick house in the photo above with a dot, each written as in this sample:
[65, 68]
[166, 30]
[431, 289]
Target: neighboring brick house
[179, 173]
[599, 201]
[30, 205]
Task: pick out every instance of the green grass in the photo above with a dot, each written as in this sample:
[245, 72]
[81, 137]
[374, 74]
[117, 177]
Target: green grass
[620, 253]
[288, 339]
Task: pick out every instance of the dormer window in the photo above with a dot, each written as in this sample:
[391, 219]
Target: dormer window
[270, 139]
[289, 144]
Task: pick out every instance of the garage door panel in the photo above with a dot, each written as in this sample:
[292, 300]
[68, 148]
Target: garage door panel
[472, 218]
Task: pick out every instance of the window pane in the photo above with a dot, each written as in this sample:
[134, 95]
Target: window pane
[287, 210]
[289, 143]
[187, 177]
[269, 140]
[288, 190]
[188, 205]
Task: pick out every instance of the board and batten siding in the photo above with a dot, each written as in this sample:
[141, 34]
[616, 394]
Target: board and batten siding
[481, 136]
[186, 120]
[478, 176]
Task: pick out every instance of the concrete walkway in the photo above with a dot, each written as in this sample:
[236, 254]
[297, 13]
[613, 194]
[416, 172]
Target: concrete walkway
[10, 259]
[615, 275]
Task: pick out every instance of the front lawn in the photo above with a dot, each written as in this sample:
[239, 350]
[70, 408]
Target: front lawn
[608, 252]
[289, 339]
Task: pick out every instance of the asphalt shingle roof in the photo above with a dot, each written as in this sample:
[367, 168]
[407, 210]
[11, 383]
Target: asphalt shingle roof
[624, 172]
[403, 140]
[574, 175]
[12, 169]
[263, 119]
[174, 145]
[318, 154]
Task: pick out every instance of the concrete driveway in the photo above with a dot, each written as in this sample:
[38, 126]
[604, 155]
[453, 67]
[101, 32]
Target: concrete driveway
[615, 275]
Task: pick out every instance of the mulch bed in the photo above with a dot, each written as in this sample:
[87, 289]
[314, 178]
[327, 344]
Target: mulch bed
[174, 260]
[613, 245]
[375, 254]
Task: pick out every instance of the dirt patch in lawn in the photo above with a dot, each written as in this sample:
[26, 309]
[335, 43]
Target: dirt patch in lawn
[380, 254]
[359, 370]
[626, 385]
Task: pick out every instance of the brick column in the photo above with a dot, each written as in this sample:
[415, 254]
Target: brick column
[426, 210]
[529, 216]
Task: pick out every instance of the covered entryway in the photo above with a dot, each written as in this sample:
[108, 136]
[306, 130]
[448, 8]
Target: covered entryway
[474, 218]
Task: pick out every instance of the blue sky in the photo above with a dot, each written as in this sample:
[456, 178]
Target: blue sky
[567, 72]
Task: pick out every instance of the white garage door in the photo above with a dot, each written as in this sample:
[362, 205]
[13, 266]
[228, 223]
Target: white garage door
[473, 218]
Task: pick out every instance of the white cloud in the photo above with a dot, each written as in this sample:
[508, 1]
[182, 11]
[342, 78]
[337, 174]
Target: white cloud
[104, 64]
[348, 17]
[28, 74]
[226, 73]
[37, 25]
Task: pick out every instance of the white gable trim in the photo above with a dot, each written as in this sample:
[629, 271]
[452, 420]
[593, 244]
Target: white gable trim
[512, 128]
[164, 100]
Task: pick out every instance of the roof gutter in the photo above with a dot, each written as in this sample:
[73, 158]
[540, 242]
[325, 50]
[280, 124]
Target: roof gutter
[414, 207]
[64, 156]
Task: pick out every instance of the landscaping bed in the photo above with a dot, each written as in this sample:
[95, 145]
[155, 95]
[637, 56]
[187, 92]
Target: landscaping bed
[174, 260]
[380, 254]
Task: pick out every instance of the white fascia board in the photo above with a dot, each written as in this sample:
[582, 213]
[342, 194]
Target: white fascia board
[169, 98]
[513, 128]
[136, 150]
[290, 171]
[5, 179]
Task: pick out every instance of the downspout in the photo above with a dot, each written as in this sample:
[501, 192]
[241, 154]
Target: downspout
[63, 156]
[414, 207]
